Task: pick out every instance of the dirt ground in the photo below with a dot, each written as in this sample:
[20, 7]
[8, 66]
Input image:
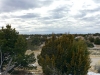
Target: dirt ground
[95, 58]
[36, 52]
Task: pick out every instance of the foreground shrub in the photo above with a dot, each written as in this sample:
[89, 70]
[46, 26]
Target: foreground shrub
[66, 55]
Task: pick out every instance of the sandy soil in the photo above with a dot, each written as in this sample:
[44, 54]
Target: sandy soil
[39, 68]
[94, 59]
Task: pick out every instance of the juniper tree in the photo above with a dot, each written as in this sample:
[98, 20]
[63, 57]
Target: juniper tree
[66, 55]
[97, 41]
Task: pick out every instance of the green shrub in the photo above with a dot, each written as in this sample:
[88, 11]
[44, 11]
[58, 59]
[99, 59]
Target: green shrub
[89, 44]
[91, 39]
[97, 41]
[66, 55]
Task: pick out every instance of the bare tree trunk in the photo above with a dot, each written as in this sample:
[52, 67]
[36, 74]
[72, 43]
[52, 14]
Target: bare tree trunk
[8, 68]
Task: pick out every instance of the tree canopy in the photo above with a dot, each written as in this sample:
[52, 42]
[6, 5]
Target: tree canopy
[97, 41]
[12, 50]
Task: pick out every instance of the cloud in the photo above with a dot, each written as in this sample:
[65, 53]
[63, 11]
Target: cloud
[29, 15]
[59, 12]
[84, 13]
[14, 5]
[96, 1]
[47, 16]
[81, 14]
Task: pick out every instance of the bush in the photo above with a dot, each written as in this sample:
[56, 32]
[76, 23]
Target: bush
[89, 44]
[97, 41]
[66, 55]
[91, 39]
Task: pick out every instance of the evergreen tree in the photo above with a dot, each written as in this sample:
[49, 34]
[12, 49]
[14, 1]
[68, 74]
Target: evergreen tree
[12, 50]
[89, 44]
[91, 39]
[66, 55]
[97, 41]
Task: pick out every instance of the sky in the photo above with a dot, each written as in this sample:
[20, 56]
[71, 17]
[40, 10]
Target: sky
[51, 16]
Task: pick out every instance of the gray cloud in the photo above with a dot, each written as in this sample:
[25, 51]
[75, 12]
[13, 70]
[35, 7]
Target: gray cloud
[59, 12]
[29, 15]
[84, 12]
[4, 17]
[14, 5]
[91, 10]
[92, 19]
[89, 19]
[54, 15]
[96, 1]
[61, 9]
[80, 15]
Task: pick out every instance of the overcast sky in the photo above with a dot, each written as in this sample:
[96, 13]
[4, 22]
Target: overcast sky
[51, 16]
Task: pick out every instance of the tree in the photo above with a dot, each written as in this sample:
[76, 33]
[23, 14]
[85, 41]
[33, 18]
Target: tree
[89, 44]
[91, 39]
[66, 55]
[12, 50]
[37, 41]
[97, 41]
